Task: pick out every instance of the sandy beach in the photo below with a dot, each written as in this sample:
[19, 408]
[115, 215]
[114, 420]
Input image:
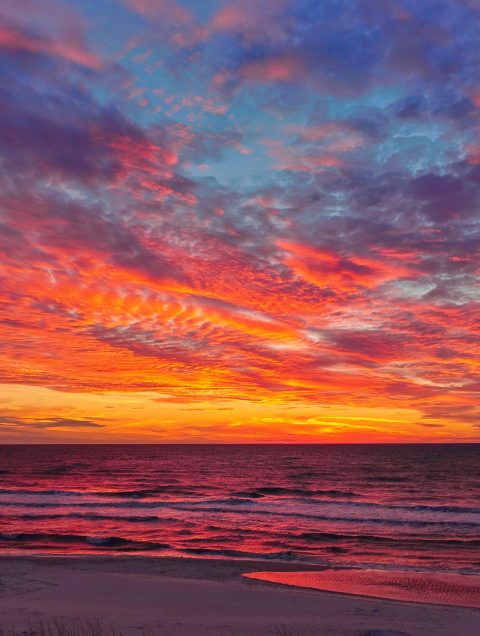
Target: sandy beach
[195, 597]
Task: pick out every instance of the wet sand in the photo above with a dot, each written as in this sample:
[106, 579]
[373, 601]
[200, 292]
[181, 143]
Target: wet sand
[196, 597]
[416, 587]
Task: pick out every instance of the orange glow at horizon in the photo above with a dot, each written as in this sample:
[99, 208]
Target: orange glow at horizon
[231, 366]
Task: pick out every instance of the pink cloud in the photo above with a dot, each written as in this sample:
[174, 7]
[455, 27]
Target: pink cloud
[315, 133]
[231, 17]
[73, 49]
[159, 8]
[335, 137]
[290, 158]
[473, 154]
[284, 68]
[248, 18]
[313, 147]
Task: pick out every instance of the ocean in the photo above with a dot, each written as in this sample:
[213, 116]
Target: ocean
[406, 507]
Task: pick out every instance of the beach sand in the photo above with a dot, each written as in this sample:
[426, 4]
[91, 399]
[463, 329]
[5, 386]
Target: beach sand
[197, 597]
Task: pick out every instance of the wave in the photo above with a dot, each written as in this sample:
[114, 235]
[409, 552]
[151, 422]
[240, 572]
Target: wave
[243, 497]
[283, 555]
[257, 493]
[400, 507]
[61, 469]
[130, 494]
[90, 517]
[43, 493]
[51, 540]
[390, 479]
[56, 541]
[81, 493]
[368, 538]
[120, 494]
[438, 525]
[332, 511]
[317, 517]
[32, 541]
[259, 507]
[152, 492]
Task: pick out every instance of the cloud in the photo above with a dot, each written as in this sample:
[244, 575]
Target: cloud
[45, 29]
[284, 68]
[13, 424]
[16, 40]
[159, 9]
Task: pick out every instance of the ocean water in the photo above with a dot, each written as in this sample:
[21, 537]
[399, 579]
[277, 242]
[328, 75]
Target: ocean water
[382, 506]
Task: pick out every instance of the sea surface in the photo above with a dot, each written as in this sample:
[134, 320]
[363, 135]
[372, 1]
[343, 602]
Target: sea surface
[368, 506]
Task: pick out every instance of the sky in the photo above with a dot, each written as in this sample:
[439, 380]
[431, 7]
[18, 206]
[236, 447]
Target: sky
[239, 221]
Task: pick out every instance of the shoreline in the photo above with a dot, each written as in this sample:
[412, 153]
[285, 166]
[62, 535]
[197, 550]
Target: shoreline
[199, 596]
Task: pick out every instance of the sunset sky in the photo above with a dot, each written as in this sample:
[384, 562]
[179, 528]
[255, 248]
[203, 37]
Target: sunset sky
[239, 221]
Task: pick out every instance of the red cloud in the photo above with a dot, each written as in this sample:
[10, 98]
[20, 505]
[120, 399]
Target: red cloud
[340, 274]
